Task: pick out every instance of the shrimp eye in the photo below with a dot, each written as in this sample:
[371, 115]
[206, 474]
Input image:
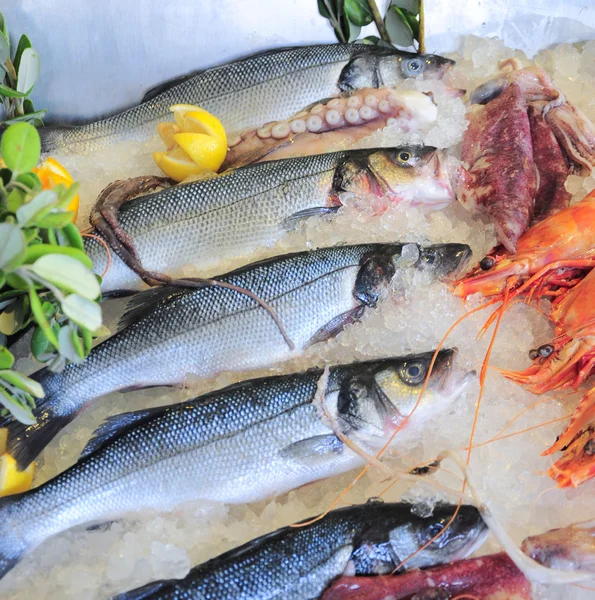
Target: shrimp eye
[413, 373]
[414, 66]
[545, 350]
[404, 156]
[589, 448]
[486, 263]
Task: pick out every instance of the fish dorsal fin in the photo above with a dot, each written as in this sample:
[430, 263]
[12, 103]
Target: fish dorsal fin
[115, 426]
[163, 87]
[145, 592]
[143, 303]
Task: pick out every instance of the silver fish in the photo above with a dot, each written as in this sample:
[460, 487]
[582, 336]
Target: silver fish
[254, 90]
[208, 223]
[171, 332]
[241, 444]
[299, 563]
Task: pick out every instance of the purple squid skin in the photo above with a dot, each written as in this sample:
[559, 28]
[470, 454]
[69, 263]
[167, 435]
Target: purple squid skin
[492, 577]
[501, 177]
[552, 167]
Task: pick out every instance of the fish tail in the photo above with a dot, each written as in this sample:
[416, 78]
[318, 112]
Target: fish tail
[25, 442]
[12, 542]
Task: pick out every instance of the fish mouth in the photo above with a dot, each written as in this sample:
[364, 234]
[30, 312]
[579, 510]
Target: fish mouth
[450, 378]
[478, 537]
[489, 90]
[465, 255]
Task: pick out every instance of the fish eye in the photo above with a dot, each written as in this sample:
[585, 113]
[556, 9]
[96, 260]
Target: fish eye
[434, 529]
[414, 66]
[429, 258]
[404, 156]
[413, 373]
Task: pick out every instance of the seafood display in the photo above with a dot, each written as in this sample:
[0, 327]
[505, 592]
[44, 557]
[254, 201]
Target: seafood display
[364, 266]
[228, 218]
[241, 93]
[273, 424]
[175, 331]
[368, 539]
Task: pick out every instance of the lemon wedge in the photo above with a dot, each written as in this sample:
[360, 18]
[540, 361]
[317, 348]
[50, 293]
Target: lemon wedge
[51, 173]
[176, 164]
[13, 481]
[196, 143]
[166, 133]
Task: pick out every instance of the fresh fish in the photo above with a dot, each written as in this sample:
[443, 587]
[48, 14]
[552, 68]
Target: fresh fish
[299, 563]
[241, 444]
[171, 332]
[255, 90]
[208, 223]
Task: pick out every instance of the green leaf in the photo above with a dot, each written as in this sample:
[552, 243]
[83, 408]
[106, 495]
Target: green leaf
[20, 147]
[55, 218]
[23, 44]
[354, 31]
[87, 340]
[15, 200]
[22, 382]
[84, 312]
[68, 348]
[38, 250]
[68, 273]
[41, 320]
[28, 72]
[65, 194]
[12, 246]
[17, 282]
[6, 358]
[411, 6]
[8, 92]
[4, 49]
[13, 317]
[73, 237]
[2, 279]
[36, 209]
[323, 10]
[31, 180]
[358, 12]
[398, 27]
[34, 118]
[6, 176]
[28, 107]
[41, 348]
[19, 411]
[3, 28]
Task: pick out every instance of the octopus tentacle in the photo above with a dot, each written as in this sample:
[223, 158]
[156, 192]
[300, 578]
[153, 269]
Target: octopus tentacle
[331, 121]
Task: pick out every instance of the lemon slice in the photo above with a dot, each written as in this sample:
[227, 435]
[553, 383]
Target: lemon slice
[205, 150]
[176, 164]
[13, 481]
[51, 173]
[201, 121]
[166, 133]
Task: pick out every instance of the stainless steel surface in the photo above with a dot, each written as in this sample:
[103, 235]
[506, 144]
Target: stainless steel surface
[99, 57]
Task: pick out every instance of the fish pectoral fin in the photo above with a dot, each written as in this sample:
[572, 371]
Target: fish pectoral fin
[295, 219]
[314, 450]
[336, 325]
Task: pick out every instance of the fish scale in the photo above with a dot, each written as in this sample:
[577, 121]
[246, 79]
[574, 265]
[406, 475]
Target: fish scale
[241, 444]
[245, 93]
[208, 225]
[172, 333]
[299, 563]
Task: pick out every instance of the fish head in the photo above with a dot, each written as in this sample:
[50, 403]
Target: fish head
[385, 66]
[376, 397]
[568, 548]
[378, 266]
[455, 541]
[415, 174]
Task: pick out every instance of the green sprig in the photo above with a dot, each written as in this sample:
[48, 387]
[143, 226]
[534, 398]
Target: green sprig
[45, 276]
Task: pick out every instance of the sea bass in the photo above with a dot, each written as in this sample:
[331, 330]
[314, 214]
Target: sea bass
[261, 88]
[171, 332]
[298, 563]
[207, 224]
[241, 444]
